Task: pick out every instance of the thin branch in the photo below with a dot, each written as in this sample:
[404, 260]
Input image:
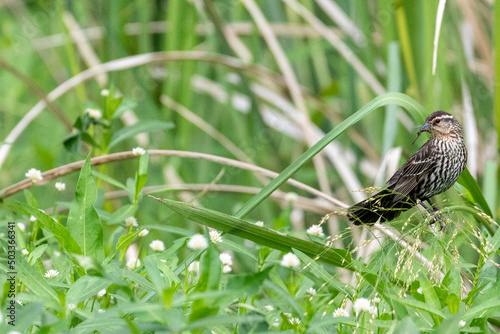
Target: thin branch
[76, 166]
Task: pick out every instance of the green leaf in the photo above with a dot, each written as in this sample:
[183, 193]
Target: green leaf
[36, 253]
[83, 221]
[431, 298]
[453, 303]
[419, 305]
[142, 175]
[86, 287]
[128, 210]
[47, 223]
[407, 326]
[483, 310]
[415, 109]
[140, 127]
[126, 239]
[34, 281]
[260, 235]
[467, 181]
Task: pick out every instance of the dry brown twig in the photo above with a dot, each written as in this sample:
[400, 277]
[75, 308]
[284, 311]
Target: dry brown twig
[58, 172]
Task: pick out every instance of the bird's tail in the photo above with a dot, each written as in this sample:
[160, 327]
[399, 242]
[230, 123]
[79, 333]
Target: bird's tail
[383, 205]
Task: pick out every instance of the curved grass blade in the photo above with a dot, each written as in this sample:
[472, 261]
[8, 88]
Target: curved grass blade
[260, 235]
[412, 106]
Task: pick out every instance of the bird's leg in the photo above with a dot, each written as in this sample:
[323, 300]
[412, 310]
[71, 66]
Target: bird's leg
[433, 210]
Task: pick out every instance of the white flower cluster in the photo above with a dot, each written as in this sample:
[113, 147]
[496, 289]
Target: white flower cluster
[227, 262]
[290, 260]
[197, 241]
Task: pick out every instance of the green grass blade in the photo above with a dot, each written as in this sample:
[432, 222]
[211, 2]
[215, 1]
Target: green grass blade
[471, 185]
[260, 235]
[414, 108]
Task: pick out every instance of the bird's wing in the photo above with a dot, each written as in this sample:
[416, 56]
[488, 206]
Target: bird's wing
[412, 172]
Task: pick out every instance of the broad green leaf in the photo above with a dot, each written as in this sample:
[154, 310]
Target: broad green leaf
[154, 274]
[483, 310]
[407, 326]
[142, 175]
[36, 253]
[420, 306]
[430, 295]
[140, 127]
[86, 287]
[47, 223]
[260, 235]
[471, 185]
[126, 239]
[414, 108]
[34, 281]
[83, 222]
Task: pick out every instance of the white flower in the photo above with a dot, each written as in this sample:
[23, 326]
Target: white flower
[34, 174]
[101, 293]
[461, 323]
[340, 312]
[157, 245]
[71, 307]
[226, 259]
[94, 113]
[291, 197]
[197, 241]
[143, 233]
[311, 291]
[101, 310]
[269, 307]
[373, 310]
[290, 260]
[233, 78]
[241, 103]
[419, 290]
[260, 223]
[133, 263]
[138, 151]
[131, 221]
[105, 92]
[56, 253]
[194, 267]
[362, 305]
[60, 186]
[32, 218]
[22, 226]
[295, 321]
[226, 269]
[215, 236]
[25, 252]
[51, 273]
[316, 230]
[376, 300]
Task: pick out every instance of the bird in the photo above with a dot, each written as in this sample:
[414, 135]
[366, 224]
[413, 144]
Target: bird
[433, 169]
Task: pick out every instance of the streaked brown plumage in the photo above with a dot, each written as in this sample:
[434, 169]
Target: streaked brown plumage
[433, 169]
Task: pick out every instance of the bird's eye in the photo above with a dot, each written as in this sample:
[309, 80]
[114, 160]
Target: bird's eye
[437, 121]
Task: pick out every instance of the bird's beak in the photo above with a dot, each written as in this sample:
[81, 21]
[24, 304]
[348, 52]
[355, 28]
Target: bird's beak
[425, 128]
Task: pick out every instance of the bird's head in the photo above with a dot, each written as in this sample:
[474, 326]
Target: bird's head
[441, 125]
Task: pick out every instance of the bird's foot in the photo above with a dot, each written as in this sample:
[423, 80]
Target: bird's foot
[437, 217]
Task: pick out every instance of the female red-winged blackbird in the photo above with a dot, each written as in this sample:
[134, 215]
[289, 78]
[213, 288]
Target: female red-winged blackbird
[433, 169]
